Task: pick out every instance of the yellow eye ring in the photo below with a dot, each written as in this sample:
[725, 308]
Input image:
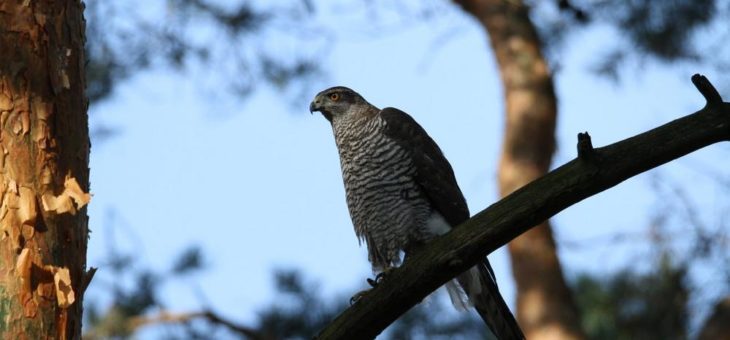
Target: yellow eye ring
[334, 97]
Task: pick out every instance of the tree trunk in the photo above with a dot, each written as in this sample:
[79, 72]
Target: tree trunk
[545, 308]
[44, 164]
[717, 325]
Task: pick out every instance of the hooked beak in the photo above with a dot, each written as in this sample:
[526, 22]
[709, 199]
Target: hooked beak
[314, 106]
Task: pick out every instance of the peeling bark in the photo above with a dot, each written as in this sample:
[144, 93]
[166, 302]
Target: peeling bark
[545, 307]
[44, 174]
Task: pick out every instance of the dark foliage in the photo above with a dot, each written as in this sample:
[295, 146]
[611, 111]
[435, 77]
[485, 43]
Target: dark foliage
[135, 292]
[123, 40]
[235, 41]
[630, 305]
[624, 305]
[663, 29]
[301, 312]
[298, 312]
[666, 31]
[190, 260]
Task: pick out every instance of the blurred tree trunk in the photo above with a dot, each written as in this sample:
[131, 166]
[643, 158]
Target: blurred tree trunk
[44, 164]
[545, 308]
[717, 326]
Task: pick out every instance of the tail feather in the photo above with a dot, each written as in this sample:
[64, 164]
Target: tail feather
[481, 288]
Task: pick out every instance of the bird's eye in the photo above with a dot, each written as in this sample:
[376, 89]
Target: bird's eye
[334, 96]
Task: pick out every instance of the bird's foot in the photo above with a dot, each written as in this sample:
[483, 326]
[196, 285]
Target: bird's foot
[373, 283]
[380, 277]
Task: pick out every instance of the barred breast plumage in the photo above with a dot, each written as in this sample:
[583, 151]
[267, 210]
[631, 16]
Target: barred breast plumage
[386, 205]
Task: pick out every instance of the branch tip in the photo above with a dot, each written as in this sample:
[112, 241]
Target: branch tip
[88, 275]
[706, 89]
[585, 146]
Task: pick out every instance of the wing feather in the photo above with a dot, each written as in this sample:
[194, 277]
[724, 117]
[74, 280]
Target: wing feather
[434, 173]
[436, 177]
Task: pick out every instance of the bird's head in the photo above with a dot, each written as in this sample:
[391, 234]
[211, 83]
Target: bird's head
[338, 101]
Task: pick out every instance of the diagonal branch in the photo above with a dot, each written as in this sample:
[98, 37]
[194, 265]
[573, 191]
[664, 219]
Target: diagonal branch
[506, 219]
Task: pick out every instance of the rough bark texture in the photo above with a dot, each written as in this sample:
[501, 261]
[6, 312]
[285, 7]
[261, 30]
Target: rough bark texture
[594, 171]
[44, 169]
[717, 326]
[545, 307]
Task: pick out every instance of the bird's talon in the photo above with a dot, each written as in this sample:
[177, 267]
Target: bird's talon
[380, 277]
[358, 296]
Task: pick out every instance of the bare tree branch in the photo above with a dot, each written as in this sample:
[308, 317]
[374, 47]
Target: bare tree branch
[208, 315]
[453, 253]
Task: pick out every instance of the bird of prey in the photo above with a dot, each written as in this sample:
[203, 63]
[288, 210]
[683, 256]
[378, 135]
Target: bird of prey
[401, 192]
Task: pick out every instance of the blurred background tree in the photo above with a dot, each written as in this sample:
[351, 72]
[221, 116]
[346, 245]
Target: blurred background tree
[282, 45]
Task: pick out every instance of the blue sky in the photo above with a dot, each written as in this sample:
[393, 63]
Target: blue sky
[257, 184]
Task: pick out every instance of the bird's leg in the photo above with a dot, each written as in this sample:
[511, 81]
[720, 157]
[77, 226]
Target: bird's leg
[380, 277]
[373, 283]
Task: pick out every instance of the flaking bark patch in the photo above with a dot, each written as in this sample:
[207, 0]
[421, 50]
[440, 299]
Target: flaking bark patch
[69, 201]
[26, 206]
[23, 269]
[64, 292]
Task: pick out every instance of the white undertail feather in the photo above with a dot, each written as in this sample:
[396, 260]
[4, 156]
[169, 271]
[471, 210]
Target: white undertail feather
[459, 298]
[437, 225]
[462, 300]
